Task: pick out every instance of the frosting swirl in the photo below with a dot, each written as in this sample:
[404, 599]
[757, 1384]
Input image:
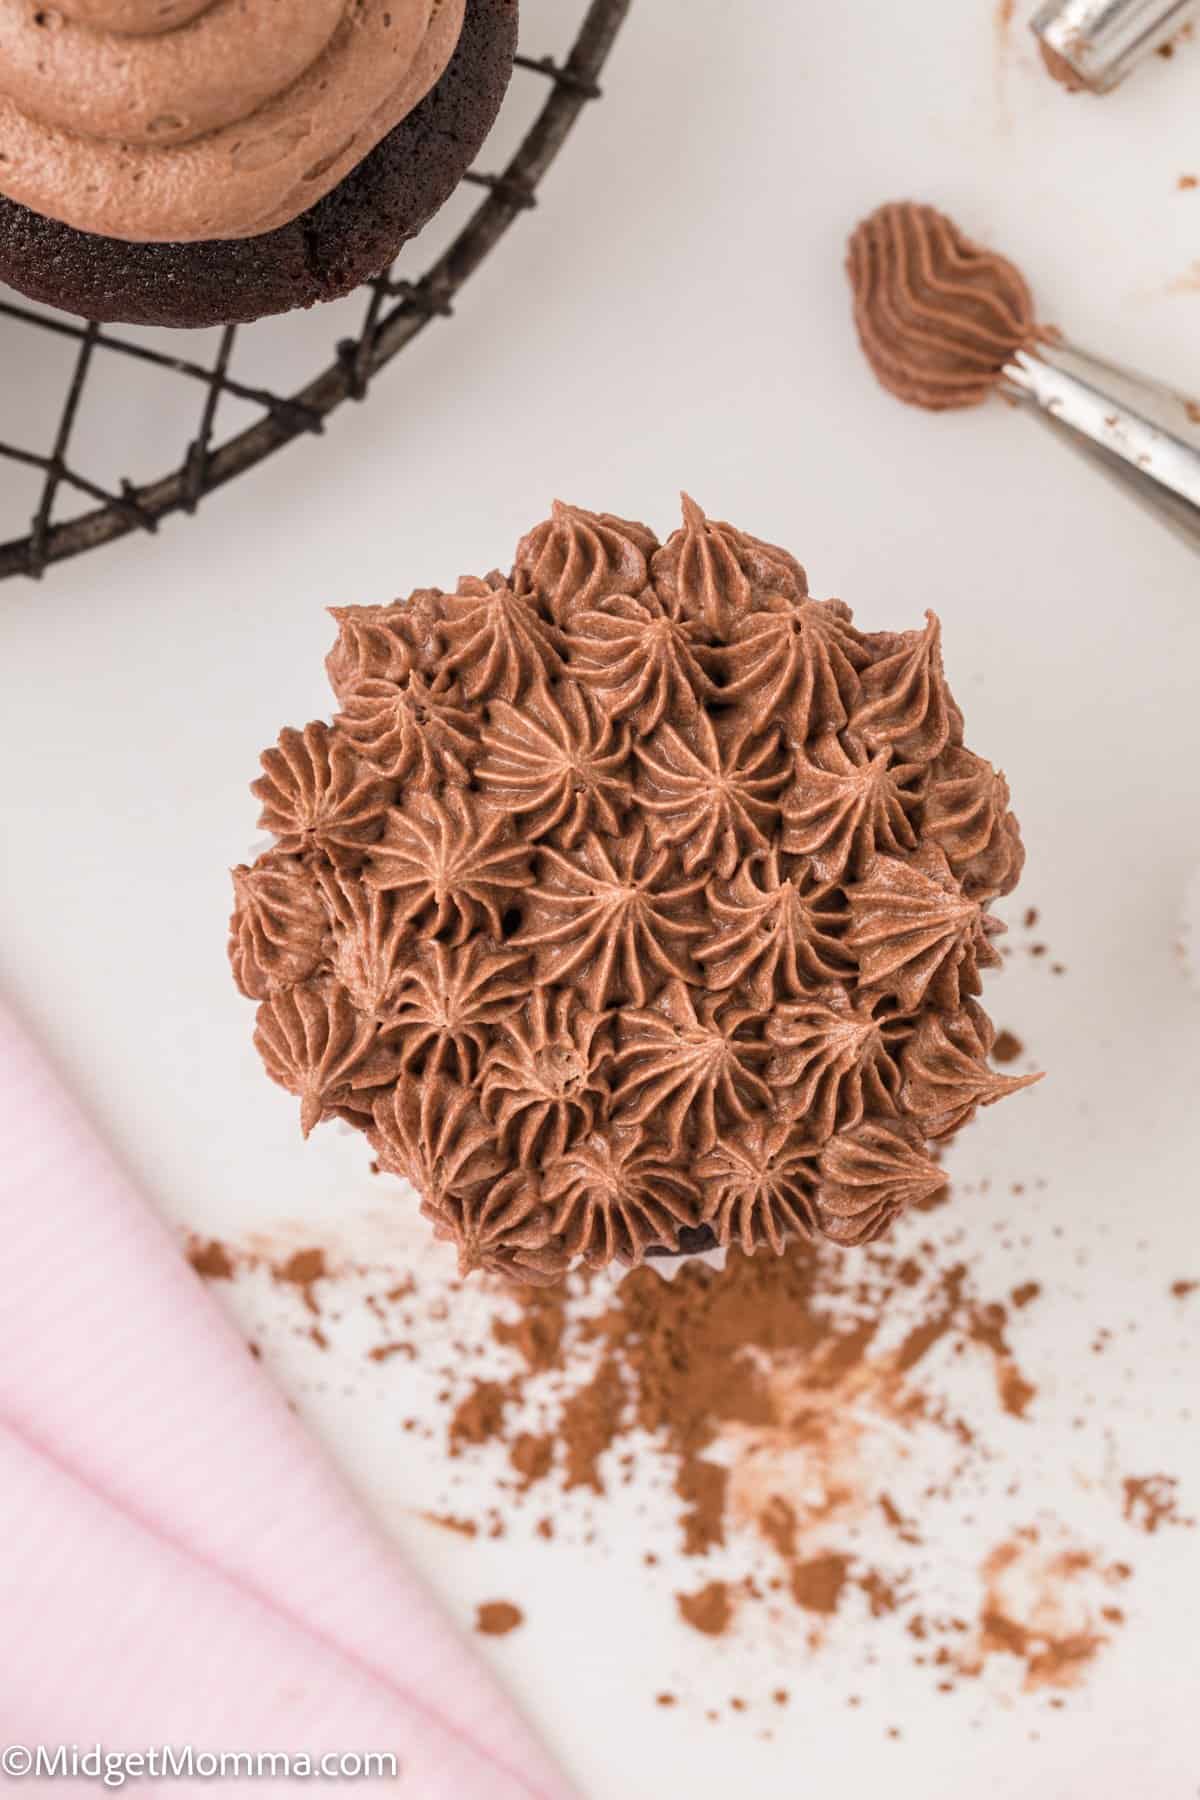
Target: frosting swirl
[204, 119]
[938, 316]
[613, 917]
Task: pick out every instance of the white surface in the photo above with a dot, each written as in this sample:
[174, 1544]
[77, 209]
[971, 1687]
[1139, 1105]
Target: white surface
[1190, 932]
[674, 314]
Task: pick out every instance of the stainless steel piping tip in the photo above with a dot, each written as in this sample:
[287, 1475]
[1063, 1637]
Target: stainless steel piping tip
[1143, 434]
[1097, 42]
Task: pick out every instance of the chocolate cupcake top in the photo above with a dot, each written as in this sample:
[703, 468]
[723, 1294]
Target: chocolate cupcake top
[938, 316]
[184, 120]
[632, 893]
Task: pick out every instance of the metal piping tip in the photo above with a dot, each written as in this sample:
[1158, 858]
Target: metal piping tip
[1094, 44]
[1146, 436]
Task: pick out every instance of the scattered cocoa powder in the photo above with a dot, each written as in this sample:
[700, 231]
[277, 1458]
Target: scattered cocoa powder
[210, 1259]
[537, 1332]
[496, 1618]
[733, 1372]
[778, 1524]
[479, 1417]
[710, 1610]
[1007, 1048]
[1151, 1501]
[590, 1421]
[778, 1399]
[1043, 1606]
[905, 1529]
[532, 1457]
[703, 1487]
[447, 1522]
[817, 1585]
[303, 1269]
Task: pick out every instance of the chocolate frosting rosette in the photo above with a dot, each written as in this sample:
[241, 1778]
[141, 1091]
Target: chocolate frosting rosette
[176, 120]
[632, 902]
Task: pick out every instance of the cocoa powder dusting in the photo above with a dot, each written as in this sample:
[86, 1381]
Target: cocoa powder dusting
[769, 1372]
[794, 1416]
[1151, 1501]
[496, 1618]
[210, 1259]
[478, 1418]
[447, 1522]
[532, 1457]
[590, 1422]
[302, 1270]
[818, 1585]
[537, 1332]
[709, 1611]
[1045, 1606]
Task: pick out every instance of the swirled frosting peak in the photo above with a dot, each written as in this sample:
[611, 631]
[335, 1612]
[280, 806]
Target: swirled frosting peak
[178, 120]
[937, 315]
[631, 894]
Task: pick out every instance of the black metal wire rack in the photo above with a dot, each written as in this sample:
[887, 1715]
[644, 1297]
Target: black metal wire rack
[396, 312]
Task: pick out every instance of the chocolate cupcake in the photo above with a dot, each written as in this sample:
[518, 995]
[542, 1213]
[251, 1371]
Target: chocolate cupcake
[195, 163]
[632, 902]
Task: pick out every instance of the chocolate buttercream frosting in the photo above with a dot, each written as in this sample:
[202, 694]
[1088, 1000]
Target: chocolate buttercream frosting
[200, 119]
[632, 896]
[937, 315]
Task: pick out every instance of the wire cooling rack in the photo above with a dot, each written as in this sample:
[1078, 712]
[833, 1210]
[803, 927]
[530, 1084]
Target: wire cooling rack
[396, 311]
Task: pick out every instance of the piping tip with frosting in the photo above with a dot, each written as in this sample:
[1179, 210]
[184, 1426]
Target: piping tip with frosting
[1090, 46]
[938, 316]
[945, 324]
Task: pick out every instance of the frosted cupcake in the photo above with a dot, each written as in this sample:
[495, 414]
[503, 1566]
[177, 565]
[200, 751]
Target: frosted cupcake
[632, 901]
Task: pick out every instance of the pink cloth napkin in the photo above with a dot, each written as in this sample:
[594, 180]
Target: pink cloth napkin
[178, 1562]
